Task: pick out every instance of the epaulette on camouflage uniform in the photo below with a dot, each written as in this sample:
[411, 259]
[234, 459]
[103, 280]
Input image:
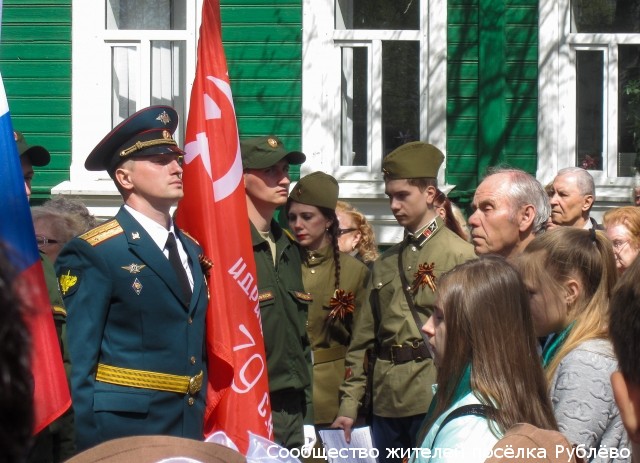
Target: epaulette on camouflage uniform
[102, 232]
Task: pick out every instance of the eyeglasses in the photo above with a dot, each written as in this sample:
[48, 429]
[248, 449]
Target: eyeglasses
[342, 231]
[43, 241]
[619, 245]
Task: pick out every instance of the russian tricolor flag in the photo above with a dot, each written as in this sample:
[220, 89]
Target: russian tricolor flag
[51, 392]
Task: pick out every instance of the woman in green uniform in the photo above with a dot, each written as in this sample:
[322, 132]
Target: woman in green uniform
[336, 282]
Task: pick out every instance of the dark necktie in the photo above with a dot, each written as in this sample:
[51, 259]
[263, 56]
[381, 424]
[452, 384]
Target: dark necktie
[176, 263]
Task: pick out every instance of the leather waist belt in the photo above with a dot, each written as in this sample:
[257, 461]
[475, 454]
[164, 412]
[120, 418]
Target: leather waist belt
[149, 379]
[329, 355]
[402, 354]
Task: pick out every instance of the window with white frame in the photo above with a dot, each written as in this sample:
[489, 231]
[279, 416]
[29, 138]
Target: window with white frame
[374, 78]
[593, 63]
[145, 67]
[127, 54]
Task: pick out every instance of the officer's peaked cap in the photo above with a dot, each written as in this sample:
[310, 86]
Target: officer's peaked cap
[148, 132]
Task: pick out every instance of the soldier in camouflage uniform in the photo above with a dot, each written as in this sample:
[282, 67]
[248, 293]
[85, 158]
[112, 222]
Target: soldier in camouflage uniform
[283, 300]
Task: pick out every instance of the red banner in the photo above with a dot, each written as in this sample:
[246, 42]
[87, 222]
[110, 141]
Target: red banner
[214, 211]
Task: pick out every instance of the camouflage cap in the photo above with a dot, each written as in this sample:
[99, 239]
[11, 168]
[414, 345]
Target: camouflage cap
[263, 152]
[316, 189]
[147, 132]
[38, 155]
[413, 160]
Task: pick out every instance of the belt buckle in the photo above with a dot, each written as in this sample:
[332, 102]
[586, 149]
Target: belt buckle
[195, 383]
[392, 352]
[415, 345]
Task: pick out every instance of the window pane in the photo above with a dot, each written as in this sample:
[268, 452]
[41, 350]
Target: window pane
[628, 108]
[355, 109]
[605, 16]
[124, 83]
[168, 78]
[589, 108]
[378, 14]
[400, 94]
[146, 14]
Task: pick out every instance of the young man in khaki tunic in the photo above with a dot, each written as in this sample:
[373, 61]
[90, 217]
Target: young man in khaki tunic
[404, 371]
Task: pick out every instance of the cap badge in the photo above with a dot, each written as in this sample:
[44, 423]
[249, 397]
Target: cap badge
[166, 135]
[163, 117]
[273, 143]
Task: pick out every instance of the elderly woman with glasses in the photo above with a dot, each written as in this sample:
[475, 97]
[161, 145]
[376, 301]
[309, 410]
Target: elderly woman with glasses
[622, 226]
[54, 229]
[335, 281]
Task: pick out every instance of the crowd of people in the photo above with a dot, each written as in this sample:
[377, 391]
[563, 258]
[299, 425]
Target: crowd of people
[444, 343]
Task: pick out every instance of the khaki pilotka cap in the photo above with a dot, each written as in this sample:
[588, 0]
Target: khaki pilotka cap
[263, 152]
[316, 189]
[413, 160]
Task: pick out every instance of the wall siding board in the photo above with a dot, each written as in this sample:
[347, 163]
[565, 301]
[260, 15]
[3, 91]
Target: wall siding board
[35, 61]
[492, 115]
[263, 43]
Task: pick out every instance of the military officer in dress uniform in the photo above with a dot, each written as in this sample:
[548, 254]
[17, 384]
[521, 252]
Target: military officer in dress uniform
[403, 284]
[336, 282]
[136, 296]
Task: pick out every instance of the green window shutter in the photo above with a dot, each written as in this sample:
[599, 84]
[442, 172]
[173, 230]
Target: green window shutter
[35, 61]
[492, 101]
[263, 46]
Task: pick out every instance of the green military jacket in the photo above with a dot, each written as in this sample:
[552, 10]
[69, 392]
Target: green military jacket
[330, 330]
[283, 311]
[399, 390]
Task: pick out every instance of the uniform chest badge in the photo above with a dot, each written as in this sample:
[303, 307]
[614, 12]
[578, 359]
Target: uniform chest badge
[137, 286]
[67, 282]
[424, 277]
[134, 268]
[341, 304]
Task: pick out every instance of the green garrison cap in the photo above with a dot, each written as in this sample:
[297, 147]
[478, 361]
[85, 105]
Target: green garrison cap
[38, 155]
[413, 160]
[316, 189]
[147, 132]
[263, 152]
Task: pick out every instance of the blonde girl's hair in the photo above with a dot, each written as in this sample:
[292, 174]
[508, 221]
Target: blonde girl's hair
[489, 327]
[366, 247]
[574, 253]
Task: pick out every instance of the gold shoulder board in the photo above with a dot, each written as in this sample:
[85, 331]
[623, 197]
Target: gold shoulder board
[102, 232]
[191, 237]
